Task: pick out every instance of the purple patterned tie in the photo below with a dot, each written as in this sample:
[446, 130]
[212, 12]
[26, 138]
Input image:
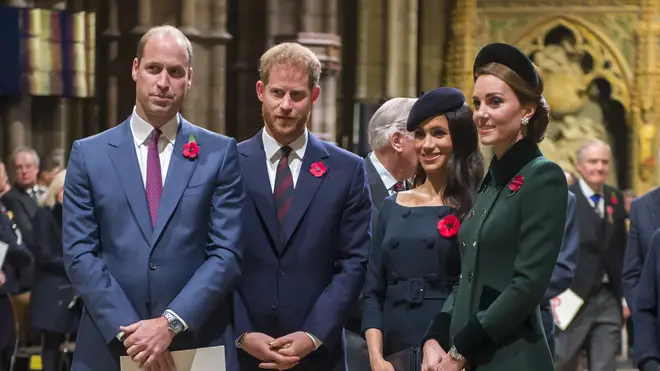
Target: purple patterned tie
[154, 177]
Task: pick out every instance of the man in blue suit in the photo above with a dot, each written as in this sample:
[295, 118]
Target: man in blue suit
[645, 310]
[152, 223]
[309, 215]
[562, 275]
[644, 220]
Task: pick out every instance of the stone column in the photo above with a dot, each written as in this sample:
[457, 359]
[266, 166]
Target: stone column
[432, 42]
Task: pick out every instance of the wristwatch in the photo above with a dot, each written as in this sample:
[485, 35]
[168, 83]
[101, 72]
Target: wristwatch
[173, 324]
[240, 340]
[455, 355]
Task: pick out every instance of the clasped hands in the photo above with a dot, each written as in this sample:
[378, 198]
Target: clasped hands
[278, 354]
[146, 342]
[436, 359]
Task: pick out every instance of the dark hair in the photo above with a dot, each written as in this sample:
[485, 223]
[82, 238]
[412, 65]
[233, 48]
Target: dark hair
[537, 125]
[465, 167]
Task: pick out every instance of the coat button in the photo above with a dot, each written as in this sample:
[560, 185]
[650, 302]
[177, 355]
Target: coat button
[152, 266]
[274, 307]
[470, 277]
[282, 272]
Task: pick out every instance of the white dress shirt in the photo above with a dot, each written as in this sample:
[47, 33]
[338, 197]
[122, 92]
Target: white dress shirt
[588, 192]
[274, 155]
[142, 131]
[388, 180]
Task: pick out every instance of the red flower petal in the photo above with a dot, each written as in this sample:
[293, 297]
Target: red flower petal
[448, 226]
[614, 200]
[317, 169]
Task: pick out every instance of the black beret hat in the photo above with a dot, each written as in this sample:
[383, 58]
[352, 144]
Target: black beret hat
[509, 56]
[434, 103]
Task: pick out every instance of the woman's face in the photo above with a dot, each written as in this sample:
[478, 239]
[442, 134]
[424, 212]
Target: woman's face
[433, 144]
[497, 112]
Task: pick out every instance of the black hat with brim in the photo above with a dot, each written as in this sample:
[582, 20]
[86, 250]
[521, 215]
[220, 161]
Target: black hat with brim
[510, 56]
[434, 103]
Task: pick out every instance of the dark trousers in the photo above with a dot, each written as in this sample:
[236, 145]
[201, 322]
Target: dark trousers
[356, 352]
[548, 327]
[50, 353]
[7, 333]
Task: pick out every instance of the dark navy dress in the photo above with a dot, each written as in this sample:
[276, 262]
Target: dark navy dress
[412, 269]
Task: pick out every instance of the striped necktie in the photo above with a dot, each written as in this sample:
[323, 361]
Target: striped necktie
[283, 190]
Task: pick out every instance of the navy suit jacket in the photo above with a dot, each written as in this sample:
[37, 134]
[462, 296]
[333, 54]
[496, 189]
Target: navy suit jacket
[644, 220]
[126, 270]
[312, 281]
[646, 309]
[562, 275]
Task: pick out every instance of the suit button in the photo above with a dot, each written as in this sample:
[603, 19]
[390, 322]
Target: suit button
[274, 307]
[152, 266]
[470, 277]
[282, 273]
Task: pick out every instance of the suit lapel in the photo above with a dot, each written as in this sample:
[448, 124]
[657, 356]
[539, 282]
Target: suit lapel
[306, 186]
[258, 183]
[124, 159]
[654, 209]
[178, 174]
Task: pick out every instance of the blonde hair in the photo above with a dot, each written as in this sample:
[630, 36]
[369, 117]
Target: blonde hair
[291, 55]
[163, 31]
[53, 190]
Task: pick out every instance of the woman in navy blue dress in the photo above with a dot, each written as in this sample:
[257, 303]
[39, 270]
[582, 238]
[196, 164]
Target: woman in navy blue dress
[415, 260]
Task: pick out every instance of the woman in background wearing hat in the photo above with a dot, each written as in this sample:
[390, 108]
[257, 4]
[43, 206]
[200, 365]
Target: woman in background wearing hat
[414, 260]
[510, 239]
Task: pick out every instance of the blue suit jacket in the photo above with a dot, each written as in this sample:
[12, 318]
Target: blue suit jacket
[312, 281]
[125, 269]
[562, 275]
[644, 220]
[646, 309]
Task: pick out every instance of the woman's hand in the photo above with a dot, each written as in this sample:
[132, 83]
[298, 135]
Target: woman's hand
[449, 364]
[433, 354]
[381, 365]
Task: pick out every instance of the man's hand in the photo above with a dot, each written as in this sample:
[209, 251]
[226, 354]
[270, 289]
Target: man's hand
[3, 279]
[146, 340]
[258, 345]
[433, 354]
[163, 362]
[626, 312]
[297, 345]
[449, 364]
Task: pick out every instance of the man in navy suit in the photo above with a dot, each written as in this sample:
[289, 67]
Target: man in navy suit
[152, 223]
[645, 309]
[309, 215]
[562, 275]
[644, 220]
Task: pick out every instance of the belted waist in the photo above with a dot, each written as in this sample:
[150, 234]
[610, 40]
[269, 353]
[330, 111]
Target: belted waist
[416, 290]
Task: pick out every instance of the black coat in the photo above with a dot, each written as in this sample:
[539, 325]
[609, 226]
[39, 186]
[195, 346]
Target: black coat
[51, 291]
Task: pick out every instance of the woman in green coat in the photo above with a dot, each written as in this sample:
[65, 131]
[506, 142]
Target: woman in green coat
[511, 237]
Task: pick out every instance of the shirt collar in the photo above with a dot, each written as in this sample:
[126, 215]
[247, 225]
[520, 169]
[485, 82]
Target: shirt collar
[388, 180]
[586, 190]
[272, 147]
[141, 129]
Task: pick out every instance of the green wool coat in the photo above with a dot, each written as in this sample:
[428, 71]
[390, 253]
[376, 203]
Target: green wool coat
[509, 244]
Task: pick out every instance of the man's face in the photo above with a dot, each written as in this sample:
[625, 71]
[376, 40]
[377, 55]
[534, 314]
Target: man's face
[162, 78]
[287, 102]
[26, 169]
[594, 165]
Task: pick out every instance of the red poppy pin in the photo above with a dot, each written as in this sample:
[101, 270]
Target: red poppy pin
[610, 214]
[516, 184]
[191, 149]
[318, 169]
[614, 200]
[448, 226]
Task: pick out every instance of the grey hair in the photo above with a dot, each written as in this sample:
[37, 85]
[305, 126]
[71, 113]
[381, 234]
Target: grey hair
[591, 143]
[390, 118]
[28, 150]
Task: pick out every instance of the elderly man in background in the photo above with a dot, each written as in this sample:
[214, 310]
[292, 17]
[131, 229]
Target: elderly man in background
[389, 166]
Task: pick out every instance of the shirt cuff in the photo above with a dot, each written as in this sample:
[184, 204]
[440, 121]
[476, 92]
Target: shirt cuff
[185, 325]
[120, 336]
[625, 303]
[317, 342]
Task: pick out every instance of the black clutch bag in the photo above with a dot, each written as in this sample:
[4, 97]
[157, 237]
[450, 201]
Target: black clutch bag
[406, 360]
